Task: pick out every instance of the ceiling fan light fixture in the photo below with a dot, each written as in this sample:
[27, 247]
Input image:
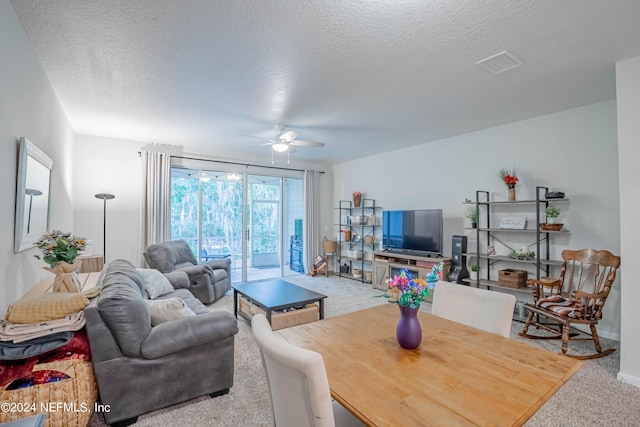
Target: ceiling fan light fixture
[280, 147]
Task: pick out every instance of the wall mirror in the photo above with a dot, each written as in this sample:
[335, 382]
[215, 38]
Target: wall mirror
[33, 195]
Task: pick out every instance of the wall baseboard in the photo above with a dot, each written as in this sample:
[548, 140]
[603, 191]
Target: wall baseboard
[628, 379]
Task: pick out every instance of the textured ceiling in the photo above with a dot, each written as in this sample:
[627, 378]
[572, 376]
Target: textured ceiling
[363, 77]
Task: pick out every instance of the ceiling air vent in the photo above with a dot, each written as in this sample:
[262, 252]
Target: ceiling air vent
[500, 62]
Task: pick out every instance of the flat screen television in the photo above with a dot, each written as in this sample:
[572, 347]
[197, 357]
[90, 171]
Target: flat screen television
[416, 232]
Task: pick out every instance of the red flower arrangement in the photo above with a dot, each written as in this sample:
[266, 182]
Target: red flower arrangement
[509, 177]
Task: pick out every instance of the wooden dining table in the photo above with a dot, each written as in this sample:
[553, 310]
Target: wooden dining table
[459, 376]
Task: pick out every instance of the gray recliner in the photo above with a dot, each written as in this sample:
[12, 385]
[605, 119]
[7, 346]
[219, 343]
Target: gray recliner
[209, 281]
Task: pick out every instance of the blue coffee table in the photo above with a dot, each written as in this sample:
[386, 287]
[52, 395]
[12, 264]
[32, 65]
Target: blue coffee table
[274, 295]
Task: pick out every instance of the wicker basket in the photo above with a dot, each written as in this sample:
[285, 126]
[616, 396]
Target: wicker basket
[512, 278]
[329, 246]
[70, 402]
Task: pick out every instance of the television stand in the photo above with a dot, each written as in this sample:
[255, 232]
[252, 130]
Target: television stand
[386, 264]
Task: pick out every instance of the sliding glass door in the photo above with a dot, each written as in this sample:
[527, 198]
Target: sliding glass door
[256, 220]
[264, 242]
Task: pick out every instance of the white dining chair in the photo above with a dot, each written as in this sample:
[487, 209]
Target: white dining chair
[297, 381]
[490, 311]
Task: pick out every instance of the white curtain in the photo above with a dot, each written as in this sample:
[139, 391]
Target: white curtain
[311, 234]
[155, 199]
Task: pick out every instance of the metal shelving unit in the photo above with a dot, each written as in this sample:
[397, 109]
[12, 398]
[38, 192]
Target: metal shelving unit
[346, 210]
[489, 234]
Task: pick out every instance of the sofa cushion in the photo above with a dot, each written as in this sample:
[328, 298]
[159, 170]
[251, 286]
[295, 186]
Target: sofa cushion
[219, 274]
[189, 299]
[182, 252]
[182, 265]
[178, 279]
[167, 256]
[160, 257]
[123, 308]
[165, 310]
[155, 283]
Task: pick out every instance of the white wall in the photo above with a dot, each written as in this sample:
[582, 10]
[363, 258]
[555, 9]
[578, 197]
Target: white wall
[105, 165]
[574, 151]
[628, 99]
[28, 107]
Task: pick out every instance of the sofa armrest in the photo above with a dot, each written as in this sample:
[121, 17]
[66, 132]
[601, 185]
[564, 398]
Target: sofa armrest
[219, 263]
[179, 279]
[194, 270]
[180, 334]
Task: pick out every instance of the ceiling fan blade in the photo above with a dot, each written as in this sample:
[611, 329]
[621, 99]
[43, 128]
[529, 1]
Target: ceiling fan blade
[258, 137]
[288, 136]
[300, 143]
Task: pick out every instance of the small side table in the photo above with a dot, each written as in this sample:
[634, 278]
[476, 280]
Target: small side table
[91, 263]
[330, 258]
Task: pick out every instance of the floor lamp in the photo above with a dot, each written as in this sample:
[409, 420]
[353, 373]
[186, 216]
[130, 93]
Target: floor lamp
[104, 197]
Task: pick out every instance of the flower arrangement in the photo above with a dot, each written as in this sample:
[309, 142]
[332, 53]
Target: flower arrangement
[357, 197]
[509, 177]
[407, 291]
[58, 246]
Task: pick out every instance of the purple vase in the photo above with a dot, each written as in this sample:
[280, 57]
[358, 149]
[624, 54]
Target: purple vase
[408, 331]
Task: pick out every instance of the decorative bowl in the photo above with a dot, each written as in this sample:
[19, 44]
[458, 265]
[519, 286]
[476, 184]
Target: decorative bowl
[551, 227]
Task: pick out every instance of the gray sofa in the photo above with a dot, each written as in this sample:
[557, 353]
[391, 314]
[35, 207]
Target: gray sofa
[209, 281]
[141, 368]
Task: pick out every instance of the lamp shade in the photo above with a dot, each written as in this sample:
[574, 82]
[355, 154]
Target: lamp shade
[280, 147]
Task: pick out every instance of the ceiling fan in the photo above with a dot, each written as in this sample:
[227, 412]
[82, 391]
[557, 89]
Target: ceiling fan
[287, 141]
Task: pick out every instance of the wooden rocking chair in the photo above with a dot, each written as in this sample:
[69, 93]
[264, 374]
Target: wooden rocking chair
[577, 297]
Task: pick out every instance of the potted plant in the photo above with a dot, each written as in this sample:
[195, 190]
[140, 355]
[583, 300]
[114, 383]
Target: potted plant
[552, 214]
[473, 274]
[472, 214]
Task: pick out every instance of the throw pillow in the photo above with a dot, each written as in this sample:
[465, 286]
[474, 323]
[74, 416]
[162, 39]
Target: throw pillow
[155, 283]
[47, 306]
[168, 309]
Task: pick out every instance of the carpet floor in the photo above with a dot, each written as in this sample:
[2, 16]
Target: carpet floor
[591, 397]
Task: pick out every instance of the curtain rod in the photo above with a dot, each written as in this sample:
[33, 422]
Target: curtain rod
[240, 164]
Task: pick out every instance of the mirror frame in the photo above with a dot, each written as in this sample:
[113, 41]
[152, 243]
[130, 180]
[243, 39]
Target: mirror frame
[23, 239]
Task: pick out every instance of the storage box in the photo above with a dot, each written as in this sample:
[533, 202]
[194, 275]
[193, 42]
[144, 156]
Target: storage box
[512, 278]
[283, 319]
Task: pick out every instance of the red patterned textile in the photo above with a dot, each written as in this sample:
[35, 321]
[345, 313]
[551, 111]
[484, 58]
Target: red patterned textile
[77, 348]
[568, 307]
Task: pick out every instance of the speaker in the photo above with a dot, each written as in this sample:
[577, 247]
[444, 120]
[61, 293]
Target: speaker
[458, 270]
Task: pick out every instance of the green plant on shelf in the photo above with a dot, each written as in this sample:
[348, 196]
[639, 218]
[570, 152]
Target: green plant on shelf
[522, 255]
[473, 215]
[552, 212]
[474, 267]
